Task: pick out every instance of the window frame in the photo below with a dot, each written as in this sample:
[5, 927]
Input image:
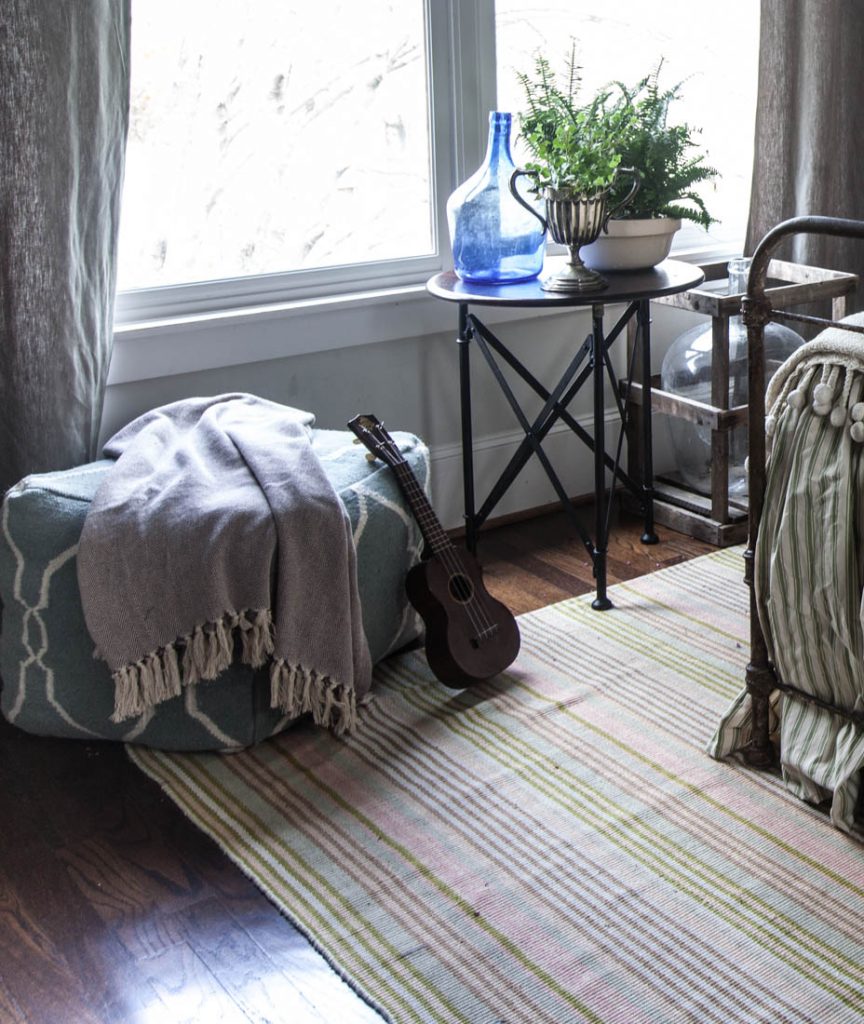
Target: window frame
[182, 329]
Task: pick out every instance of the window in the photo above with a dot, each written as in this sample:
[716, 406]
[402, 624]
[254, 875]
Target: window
[280, 149]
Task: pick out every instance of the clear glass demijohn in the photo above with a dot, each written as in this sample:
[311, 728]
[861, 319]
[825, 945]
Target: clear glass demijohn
[494, 239]
[686, 371]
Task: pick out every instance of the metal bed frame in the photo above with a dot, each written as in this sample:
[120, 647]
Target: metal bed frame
[761, 677]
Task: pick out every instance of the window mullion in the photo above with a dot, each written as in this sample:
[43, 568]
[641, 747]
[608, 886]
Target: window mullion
[472, 43]
[462, 92]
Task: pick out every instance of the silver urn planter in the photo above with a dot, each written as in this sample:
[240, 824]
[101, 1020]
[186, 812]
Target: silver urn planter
[575, 219]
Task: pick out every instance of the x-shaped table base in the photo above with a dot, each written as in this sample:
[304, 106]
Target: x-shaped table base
[591, 362]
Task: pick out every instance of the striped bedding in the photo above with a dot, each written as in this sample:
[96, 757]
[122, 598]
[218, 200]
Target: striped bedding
[810, 568]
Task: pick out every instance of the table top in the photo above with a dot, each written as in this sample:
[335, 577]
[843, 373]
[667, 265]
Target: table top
[668, 278]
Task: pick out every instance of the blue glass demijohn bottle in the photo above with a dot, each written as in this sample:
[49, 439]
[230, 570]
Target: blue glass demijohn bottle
[494, 239]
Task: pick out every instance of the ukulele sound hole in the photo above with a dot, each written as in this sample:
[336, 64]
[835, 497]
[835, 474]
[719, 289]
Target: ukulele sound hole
[461, 589]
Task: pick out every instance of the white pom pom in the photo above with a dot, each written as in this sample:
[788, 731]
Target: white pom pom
[822, 394]
[838, 416]
[770, 425]
[821, 410]
[857, 412]
[857, 431]
[797, 399]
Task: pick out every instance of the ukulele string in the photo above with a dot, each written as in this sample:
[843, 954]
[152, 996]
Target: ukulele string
[447, 553]
[449, 557]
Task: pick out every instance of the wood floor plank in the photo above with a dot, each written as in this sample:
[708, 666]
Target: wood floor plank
[10, 1011]
[250, 974]
[188, 990]
[522, 591]
[125, 872]
[333, 999]
[39, 968]
[150, 933]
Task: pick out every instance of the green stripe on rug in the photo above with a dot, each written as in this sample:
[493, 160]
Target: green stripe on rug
[553, 845]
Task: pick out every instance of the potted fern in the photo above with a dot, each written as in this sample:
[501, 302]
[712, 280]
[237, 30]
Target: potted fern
[576, 163]
[671, 167]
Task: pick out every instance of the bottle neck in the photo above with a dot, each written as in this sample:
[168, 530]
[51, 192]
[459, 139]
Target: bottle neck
[498, 148]
[738, 271]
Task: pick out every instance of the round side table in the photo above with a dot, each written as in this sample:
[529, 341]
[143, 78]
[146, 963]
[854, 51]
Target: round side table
[591, 362]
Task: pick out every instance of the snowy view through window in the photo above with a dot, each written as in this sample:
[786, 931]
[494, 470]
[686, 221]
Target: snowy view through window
[268, 136]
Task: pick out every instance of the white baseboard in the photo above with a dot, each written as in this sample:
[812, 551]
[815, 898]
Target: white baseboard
[572, 461]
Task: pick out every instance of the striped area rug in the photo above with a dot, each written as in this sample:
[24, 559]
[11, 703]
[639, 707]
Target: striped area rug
[554, 846]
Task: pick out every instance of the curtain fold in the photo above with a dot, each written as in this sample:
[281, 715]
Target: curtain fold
[64, 108]
[809, 152]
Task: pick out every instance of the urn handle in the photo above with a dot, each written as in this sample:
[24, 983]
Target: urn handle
[634, 188]
[521, 172]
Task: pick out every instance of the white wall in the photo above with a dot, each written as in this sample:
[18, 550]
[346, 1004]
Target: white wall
[411, 383]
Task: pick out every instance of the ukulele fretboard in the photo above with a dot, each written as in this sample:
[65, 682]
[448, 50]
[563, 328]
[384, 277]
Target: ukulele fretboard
[430, 526]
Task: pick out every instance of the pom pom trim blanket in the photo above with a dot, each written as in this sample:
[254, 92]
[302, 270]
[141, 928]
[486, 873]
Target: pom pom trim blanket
[217, 531]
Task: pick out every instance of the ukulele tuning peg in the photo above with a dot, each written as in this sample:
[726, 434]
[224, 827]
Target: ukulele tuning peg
[356, 441]
[370, 457]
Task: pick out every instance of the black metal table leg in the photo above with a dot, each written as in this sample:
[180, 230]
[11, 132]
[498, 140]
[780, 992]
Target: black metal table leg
[601, 602]
[464, 342]
[643, 327]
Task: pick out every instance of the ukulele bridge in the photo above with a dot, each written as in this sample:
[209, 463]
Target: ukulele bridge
[484, 635]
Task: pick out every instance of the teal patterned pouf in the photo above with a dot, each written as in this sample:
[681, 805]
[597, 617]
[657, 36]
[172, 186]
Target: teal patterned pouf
[53, 686]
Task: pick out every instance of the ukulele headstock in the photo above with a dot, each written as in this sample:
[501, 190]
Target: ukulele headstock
[370, 431]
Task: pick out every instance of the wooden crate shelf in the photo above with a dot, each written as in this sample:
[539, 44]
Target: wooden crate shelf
[714, 518]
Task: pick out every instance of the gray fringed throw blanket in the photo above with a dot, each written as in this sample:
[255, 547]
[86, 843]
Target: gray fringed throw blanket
[218, 522]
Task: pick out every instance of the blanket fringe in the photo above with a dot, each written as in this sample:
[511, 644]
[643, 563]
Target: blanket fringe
[141, 684]
[209, 649]
[298, 691]
[203, 654]
[257, 636]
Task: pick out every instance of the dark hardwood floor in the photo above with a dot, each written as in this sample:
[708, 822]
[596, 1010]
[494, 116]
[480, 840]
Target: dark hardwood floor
[539, 561]
[114, 908]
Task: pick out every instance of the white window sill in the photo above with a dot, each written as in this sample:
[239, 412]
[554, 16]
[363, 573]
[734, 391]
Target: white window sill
[204, 341]
[163, 348]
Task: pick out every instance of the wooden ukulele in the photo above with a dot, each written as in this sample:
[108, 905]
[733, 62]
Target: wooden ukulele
[469, 635]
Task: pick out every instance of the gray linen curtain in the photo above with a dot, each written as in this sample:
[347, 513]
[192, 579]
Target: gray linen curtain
[64, 99]
[809, 154]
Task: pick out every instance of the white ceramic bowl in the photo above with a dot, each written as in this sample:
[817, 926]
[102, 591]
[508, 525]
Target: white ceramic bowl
[631, 244]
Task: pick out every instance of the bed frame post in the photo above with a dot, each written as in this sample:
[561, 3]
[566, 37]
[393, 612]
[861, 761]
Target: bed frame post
[760, 677]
